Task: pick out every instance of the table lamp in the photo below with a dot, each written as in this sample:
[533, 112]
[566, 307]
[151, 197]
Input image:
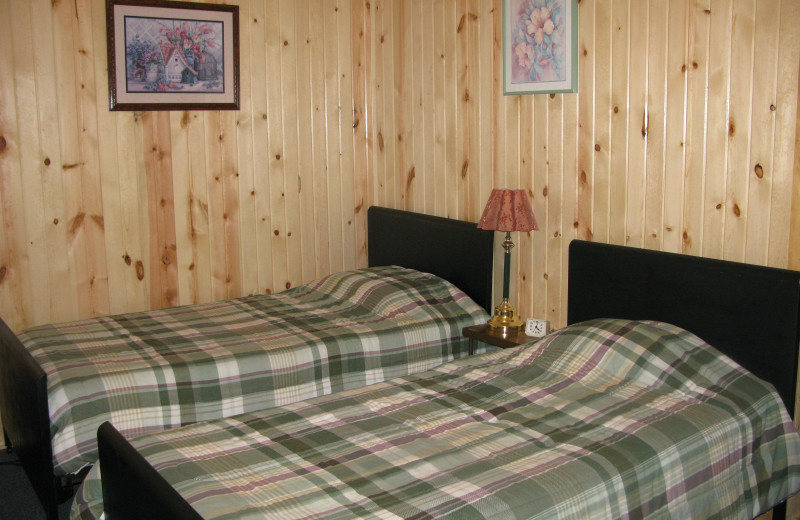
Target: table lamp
[507, 210]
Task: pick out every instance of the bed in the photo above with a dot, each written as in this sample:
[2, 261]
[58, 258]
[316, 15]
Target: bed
[617, 415]
[160, 369]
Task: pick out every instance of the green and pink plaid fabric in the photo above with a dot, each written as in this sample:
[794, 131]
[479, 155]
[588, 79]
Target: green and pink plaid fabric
[153, 370]
[606, 419]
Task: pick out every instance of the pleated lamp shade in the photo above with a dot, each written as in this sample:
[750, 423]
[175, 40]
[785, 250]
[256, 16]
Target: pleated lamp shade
[508, 210]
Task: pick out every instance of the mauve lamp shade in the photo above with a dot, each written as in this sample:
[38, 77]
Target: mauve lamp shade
[508, 210]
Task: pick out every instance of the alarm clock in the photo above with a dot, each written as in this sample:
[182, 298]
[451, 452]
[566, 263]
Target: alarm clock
[537, 328]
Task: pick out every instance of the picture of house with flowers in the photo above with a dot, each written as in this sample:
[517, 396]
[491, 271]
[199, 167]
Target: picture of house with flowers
[173, 55]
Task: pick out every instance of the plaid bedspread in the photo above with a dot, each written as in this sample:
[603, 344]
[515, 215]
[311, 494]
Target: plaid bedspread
[153, 370]
[606, 419]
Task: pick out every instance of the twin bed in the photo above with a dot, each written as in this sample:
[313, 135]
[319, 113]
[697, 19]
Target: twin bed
[611, 416]
[161, 369]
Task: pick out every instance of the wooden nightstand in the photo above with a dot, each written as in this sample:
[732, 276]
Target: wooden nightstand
[483, 333]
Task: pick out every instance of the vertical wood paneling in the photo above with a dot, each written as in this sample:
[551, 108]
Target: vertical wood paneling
[585, 96]
[739, 130]
[636, 106]
[656, 123]
[361, 27]
[11, 272]
[715, 205]
[246, 141]
[601, 155]
[113, 212]
[650, 152]
[619, 120]
[289, 133]
[346, 150]
[90, 63]
[691, 233]
[760, 165]
[784, 169]
[318, 136]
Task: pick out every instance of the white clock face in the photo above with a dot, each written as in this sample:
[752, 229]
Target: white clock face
[536, 328]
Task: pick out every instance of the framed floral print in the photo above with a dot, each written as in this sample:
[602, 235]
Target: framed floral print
[172, 55]
[540, 46]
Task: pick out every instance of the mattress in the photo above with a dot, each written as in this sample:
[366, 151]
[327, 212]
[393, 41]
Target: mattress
[603, 419]
[160, 369]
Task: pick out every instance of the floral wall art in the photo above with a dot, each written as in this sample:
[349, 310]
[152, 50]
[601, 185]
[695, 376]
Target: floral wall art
[172, 55]
[540, 46]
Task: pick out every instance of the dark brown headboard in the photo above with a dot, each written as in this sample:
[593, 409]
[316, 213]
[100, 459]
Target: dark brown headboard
[749, 312]
[452, 249]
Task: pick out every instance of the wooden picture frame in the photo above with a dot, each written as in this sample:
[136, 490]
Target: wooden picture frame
[172, 55]
[540, 46]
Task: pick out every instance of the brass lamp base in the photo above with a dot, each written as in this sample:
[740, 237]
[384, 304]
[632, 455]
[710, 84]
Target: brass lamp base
[505, 320]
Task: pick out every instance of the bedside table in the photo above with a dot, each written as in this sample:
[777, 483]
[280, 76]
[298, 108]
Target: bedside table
[484, 333]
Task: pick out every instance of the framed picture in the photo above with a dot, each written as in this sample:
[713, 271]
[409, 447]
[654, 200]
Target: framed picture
[540, 46]
[172, 55]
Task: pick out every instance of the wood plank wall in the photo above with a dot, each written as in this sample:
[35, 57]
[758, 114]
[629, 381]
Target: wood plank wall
[108, 212]
[682, 138]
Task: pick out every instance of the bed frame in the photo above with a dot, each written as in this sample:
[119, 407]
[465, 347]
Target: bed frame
[749, 312]
[454, 250]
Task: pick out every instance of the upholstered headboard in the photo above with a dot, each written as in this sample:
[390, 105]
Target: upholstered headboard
[749, 312]
[452, 249]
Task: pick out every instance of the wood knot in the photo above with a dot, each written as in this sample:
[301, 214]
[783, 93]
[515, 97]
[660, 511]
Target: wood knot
[76, 223]
[127, 259]
[759, 171]
[460, 24]
[139, 270]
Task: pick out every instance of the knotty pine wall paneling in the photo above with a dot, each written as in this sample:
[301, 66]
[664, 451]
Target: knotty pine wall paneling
[107, 212]
[681, 137]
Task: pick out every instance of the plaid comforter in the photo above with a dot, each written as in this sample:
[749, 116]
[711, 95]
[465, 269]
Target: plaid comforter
[153, 370]
[606, 419]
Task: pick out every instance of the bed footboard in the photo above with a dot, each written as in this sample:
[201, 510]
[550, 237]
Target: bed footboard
[132, 488]
[26, 418]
